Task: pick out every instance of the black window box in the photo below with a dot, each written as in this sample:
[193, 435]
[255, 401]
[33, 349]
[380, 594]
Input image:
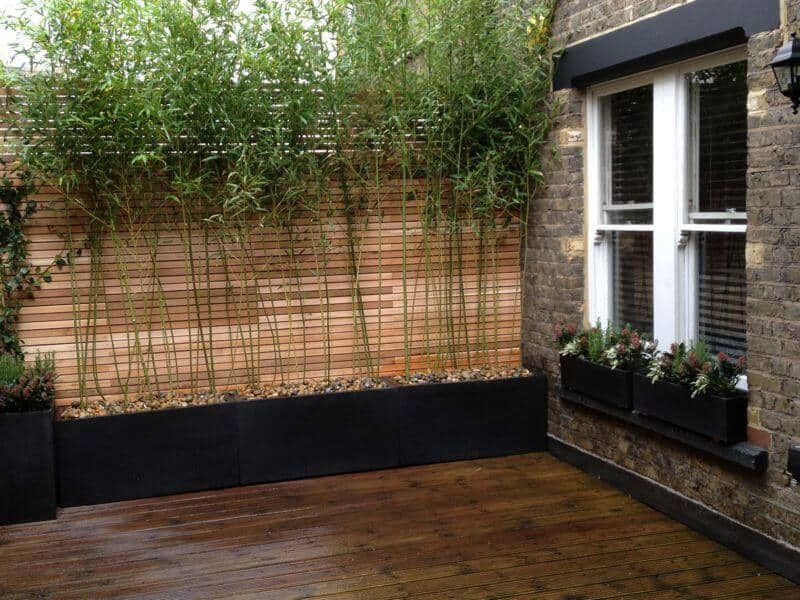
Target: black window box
[721, 419]
[27, 474]
[604, 384]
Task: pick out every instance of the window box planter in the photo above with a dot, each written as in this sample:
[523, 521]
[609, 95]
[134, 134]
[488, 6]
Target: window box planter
[27, 474]
[721, 419]
[601, 383]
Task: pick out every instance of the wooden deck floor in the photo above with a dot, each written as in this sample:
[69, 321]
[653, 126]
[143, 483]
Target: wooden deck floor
[522, 527]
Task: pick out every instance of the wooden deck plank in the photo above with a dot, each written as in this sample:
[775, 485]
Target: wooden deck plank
[518, 527]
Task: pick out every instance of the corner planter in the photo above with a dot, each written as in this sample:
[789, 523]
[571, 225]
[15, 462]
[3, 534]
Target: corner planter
[139, 455]
[721, 419]
[27, 474]
[601, 383]
[472, 419]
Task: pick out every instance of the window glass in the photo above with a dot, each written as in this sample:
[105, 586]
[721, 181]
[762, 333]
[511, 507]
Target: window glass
[722, 292]
[628, 126]
[719, 102]
[628, 131]
[632, 279]
[702, 256]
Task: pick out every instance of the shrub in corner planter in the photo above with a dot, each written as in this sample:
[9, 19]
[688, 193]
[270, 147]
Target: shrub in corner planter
[721, 419]
[27, 474]
[601, 383]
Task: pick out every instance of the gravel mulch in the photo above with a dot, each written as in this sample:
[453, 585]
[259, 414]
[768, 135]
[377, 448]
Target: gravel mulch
[340, 384]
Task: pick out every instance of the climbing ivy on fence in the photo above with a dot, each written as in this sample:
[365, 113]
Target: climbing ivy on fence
[21, 278]
[218, 124]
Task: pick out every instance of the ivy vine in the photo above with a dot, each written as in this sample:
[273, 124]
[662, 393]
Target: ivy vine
[20, 277]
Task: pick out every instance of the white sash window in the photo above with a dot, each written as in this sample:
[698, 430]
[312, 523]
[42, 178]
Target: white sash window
[666, 168]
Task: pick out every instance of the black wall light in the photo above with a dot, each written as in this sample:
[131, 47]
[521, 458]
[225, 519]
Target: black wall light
[794, 462]
[786, 66]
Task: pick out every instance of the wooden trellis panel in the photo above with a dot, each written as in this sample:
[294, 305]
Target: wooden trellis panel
[179, 310]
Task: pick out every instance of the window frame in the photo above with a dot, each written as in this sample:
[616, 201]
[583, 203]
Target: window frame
[675, 247]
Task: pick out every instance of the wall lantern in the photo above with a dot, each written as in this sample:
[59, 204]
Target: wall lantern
[786, 66]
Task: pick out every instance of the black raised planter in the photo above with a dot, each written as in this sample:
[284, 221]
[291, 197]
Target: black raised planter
[27, 470]
[325, 434]
[721, 419]
[476, 419]
[139, 455]
[321, 434]
[604, 384]
[122, 457]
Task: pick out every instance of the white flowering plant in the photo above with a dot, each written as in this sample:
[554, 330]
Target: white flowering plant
[625, 348]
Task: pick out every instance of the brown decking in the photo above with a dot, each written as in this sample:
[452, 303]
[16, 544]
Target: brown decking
[526, 527]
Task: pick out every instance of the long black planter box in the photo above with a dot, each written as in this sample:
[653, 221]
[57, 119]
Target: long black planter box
[165, 452]
[138, 455]
[325, 434]
[721, 419]
[321, 434]
[604, 384]
[27, 468]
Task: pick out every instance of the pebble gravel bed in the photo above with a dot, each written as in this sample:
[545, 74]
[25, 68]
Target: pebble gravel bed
[340, 384]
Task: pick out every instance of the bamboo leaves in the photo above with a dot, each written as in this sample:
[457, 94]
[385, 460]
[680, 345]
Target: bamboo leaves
[250, 141]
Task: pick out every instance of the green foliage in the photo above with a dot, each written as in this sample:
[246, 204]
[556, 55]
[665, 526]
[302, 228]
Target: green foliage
[624, 348]
[692, 366]
[229, 121]
[26, 387]
[597, 344]
[222, 106]
[11, 368]
[20, 277]
[695, 367]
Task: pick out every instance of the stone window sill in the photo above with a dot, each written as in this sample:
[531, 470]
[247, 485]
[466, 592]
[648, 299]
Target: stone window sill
[743, 454]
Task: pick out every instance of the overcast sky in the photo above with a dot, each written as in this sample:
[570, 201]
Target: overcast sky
[7, 7]
[12, 7]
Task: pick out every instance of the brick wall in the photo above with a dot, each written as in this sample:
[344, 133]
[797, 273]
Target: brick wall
[554, 292]
[576, 20]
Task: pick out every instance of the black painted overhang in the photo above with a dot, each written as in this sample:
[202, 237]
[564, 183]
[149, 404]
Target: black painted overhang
[697, 28]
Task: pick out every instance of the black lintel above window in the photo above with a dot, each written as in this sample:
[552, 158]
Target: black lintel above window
[697, 28]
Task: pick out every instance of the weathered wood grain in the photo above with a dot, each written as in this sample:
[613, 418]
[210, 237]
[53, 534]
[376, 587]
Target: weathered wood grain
[526, 526]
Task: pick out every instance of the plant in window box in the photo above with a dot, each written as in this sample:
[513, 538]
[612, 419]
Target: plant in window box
[599, 362]
[27, 478]
[691, 388]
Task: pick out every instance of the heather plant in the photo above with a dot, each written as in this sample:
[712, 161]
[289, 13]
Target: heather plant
[26, 387]
[695, 367]
[629, 349]
[565, 334]
[681, 364]
[624, 348]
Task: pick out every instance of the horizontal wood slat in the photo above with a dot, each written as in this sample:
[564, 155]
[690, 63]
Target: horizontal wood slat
[264, 314]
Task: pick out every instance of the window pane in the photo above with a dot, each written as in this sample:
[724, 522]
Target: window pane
[720, 104]
[632, 279]
[630, 217]
[722, 291]
[628, 124]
